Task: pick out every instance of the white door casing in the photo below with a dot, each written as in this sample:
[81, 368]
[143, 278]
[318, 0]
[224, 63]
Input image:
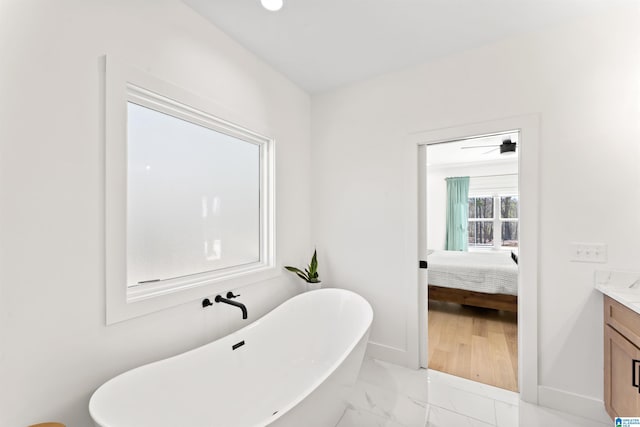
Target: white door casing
[415, 236]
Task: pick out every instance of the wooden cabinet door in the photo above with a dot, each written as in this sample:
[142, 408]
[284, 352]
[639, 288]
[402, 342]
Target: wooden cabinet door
[622, 375]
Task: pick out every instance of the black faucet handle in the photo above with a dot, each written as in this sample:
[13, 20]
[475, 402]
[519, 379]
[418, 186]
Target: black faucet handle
[230, 295]
[206, 303]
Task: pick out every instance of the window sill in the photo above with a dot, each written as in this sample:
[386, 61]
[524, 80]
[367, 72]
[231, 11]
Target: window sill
[124, 304]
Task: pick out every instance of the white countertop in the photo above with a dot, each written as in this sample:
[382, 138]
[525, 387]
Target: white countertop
[622, 286]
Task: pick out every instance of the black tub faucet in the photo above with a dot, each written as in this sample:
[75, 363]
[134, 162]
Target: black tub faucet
[227, 300]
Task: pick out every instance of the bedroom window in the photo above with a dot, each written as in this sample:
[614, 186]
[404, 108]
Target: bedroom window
[493, 221]
[509, 221]
[481, 221]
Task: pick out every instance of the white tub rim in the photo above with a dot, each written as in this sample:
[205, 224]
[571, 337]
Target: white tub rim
[304, 393]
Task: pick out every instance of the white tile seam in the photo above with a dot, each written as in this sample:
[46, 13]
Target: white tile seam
[343, 414]
[416, 401]
[426, 424]
[385, 417]
[478, 388]
[464, 415]
[378, 386]
[495, 412]
[487, 393]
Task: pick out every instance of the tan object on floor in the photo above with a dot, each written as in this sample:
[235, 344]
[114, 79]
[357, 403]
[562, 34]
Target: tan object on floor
[48, 425]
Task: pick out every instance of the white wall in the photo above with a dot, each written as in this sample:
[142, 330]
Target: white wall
[437, 192]
[584, 79]
[54, 346]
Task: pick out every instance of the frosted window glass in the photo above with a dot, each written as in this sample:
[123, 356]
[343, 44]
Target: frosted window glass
[193, 198]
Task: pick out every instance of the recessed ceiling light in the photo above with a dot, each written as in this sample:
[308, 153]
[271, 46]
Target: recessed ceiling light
[272, 5]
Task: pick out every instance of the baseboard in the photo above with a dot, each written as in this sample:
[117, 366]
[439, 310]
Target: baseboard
[574, 404]
[387, 353]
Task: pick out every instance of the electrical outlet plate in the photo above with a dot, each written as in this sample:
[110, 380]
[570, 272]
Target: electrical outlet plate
[588, 252]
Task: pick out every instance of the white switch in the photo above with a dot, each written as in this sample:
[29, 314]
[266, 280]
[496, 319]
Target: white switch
[588, 252]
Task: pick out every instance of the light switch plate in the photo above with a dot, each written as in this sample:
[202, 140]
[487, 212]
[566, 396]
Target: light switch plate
[588, 252]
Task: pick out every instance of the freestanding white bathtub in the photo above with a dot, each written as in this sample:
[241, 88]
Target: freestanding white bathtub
[294, 369]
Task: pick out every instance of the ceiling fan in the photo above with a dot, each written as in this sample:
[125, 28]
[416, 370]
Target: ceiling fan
[507, 147]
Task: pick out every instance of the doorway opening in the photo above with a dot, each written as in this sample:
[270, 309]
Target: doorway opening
[472, 242]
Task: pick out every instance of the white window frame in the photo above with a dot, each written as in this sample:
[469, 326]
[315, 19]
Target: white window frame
[497, 221]
[127, 84]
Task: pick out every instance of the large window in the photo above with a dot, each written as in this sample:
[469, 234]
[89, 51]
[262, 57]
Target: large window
[190, 209]
[193, 198]
[493, 221]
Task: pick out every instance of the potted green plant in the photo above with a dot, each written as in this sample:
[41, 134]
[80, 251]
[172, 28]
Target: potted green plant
[310, 274]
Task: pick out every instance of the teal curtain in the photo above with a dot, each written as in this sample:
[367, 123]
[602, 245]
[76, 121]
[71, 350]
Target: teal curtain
[457, 214]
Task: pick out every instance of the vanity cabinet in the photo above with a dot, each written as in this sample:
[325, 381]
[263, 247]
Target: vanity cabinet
[621, 360]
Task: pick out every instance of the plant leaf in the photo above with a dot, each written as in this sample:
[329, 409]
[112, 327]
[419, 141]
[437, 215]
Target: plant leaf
[313, 267]
[293, 269]
[298, 272]
[303, 277]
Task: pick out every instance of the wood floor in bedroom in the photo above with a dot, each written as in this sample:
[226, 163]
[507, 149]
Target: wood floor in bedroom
[475, 343]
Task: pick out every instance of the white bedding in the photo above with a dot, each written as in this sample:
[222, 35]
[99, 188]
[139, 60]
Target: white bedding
[489, 272]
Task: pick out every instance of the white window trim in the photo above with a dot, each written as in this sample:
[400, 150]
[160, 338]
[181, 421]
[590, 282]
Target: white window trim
[123, 84]
[497, 223]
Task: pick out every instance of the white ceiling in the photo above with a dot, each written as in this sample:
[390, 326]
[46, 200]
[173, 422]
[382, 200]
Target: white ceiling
[453, 154]
[322, 44]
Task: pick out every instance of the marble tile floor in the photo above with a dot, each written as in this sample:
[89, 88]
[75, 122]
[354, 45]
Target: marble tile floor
[387, 395]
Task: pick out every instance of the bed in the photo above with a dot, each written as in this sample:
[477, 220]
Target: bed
[480, 279]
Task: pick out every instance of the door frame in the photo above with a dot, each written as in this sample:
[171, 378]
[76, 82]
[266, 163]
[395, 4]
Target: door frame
[528, 262]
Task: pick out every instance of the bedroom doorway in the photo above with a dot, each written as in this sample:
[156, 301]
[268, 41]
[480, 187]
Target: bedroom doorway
[472, 241]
